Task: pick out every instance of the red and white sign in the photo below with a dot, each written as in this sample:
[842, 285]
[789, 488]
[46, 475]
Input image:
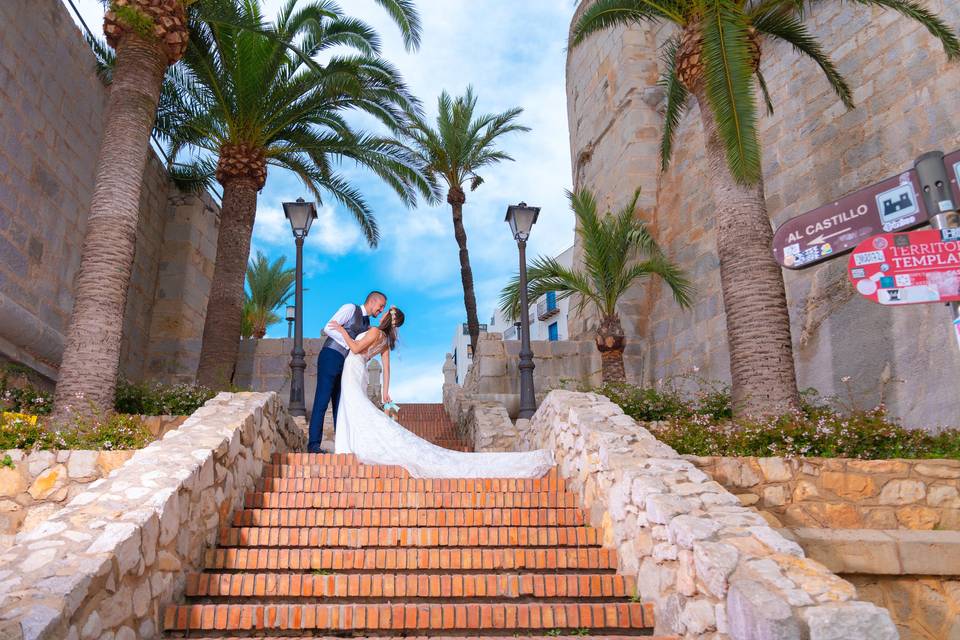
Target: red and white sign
[908, 268]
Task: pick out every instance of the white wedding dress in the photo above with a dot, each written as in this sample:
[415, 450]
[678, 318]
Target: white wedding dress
[372, 436]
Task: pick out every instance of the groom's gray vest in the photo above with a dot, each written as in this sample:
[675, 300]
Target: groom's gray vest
[354, 327]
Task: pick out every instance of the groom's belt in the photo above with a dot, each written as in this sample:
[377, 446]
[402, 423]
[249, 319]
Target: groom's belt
[336, 346]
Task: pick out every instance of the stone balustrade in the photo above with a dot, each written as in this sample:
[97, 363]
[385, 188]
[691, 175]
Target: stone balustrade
[104, 565]
[714, 568]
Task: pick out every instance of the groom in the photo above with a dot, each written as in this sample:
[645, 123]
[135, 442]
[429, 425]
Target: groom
[355, 319]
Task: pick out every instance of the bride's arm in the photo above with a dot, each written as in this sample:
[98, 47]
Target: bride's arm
[357, 346]
[385, 356]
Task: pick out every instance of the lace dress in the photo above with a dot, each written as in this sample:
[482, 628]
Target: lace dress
[369, 434]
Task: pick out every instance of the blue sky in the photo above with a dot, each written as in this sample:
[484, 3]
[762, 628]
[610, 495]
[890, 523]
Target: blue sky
[513, 53]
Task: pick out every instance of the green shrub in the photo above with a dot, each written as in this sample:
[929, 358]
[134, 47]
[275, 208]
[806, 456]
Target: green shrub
[702, 426]
[116, 432]
[19, 396]
[160, 399]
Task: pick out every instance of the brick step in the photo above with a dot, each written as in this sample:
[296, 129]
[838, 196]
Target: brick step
[409, 500]
[414, 617]
[367, 585]
[355, 538]
[486, 636]
[405, 485]
[549, 482]
[463, 560]
[407, 517]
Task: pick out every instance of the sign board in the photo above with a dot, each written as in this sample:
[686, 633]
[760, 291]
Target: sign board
[908, 268]
[952, 160]
[893, 204]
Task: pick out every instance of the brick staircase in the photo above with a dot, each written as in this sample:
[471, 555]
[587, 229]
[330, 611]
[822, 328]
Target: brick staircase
[430, 421]
[328, 547]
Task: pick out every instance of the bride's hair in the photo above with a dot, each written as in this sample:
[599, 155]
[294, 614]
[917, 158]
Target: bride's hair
[392, 321]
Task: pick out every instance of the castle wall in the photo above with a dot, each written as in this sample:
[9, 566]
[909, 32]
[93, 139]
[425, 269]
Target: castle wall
[814, 151]
[52, 110]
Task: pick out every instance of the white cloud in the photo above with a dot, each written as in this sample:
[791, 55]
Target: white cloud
[417, 383]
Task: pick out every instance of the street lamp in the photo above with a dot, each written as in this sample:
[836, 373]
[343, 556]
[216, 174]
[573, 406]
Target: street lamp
[521, 219]
[291, 316]
[301, 215]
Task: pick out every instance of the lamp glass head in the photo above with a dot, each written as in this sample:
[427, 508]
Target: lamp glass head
[521, 219]
[301, 215]
[291, 313]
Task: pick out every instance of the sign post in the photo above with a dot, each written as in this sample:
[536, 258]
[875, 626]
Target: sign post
[933, 171]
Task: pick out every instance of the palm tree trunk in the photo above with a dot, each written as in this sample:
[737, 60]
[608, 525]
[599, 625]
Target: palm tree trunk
[610, 342]
[456, 198]
[88, 371]
[758, 321]
[221, 328]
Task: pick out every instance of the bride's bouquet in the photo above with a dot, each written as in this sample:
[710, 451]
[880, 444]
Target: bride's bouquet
[392, 410]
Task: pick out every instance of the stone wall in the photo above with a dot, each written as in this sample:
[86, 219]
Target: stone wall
[37, 484]
[495, 374]
[915, 575]
[53, 107]
[846, 494]
[713, 568]
[814, 153]
[106, 564]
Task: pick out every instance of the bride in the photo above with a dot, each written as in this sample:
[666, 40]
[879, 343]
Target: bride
[374, 438]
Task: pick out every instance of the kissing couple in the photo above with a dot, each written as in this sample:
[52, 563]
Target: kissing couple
[362, 429]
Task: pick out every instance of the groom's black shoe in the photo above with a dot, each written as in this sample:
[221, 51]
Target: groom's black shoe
[316, 449]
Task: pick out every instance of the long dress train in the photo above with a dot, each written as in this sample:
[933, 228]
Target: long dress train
[371, 435]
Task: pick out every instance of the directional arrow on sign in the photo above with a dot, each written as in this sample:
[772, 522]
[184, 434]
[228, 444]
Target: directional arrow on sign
[820, 239]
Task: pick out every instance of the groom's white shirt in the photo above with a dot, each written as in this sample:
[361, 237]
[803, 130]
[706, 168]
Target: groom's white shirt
[342, 317]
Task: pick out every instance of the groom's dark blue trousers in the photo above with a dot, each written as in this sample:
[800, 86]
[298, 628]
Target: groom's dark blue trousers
[329, 369]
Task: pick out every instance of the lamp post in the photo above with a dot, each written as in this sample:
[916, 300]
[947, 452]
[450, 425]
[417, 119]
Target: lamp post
[301, 215]
[521, 219]
[291, 316]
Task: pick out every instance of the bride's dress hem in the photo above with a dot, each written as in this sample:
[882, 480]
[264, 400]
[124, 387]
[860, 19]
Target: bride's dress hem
[374, 438]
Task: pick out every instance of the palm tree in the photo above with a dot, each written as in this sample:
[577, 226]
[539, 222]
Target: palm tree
[612, 246]
[147, 36]
[715, 57]
[242, 101]
[455, 151]
[269, 284]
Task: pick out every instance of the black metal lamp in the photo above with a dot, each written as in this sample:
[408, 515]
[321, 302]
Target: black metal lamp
[301, 216]
[521, 219]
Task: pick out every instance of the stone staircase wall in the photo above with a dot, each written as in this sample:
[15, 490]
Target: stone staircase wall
[712, 567]
[104, 565]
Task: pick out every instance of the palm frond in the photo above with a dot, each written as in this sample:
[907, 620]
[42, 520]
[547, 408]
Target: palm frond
[930, 21]
[789, 28]
[404, 13]
[678, 99]
[618, 250]
[606, 14]
[729, 86]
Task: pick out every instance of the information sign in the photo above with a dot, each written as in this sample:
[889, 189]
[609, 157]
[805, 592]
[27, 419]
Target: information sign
[908, 268]
[890, 205]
